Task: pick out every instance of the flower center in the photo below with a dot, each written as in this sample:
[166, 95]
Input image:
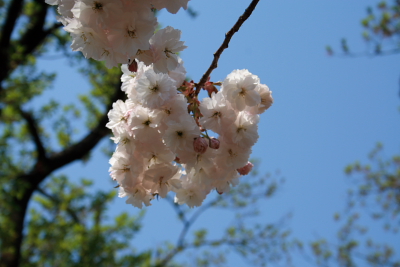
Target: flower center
[154, 89]
[97, 6]
[167, 52]
[216, 114]
[240, 128]
[243, 92]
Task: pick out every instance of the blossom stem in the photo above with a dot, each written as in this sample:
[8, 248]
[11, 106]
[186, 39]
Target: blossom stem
[225, 43]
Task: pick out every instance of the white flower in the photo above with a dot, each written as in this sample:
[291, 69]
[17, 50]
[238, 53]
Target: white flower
[155, 89]
[144, 122]
[238, 87]
[180, 134]
[191, 159]
[192, 195]
[232, 156]
[160, 178]
[164, 46]
[156, 152]
[64, 8]
[96, 12]
[118, 117]
[178, 74]
[131, 33]
[231, 179]
[137, 195]
[125, 168]
[266, 100]
[174, 108]
[244, 132]
[217, 113]
[126, 143]
[90, 41]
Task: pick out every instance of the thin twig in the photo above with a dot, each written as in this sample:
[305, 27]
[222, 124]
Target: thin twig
[180, 244]
[225, 43]
[177, 208]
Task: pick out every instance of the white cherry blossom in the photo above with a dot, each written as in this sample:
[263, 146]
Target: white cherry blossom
[239, 89]
[155, 89]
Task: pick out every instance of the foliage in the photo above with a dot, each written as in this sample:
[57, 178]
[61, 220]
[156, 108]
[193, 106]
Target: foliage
[68, 228]
[374, 194]
[381, 31]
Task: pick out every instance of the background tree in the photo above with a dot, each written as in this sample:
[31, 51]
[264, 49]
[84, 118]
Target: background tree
[374, 190]
[305, 85]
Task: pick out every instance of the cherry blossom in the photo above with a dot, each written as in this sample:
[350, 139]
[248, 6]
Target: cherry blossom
[162, 129]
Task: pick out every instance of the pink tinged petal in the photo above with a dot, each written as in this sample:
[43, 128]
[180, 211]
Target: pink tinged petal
[252, 98]
[246, 169]
[200, 145]
[240, 103]
[176, 183]
[163, 190]
[214, 143]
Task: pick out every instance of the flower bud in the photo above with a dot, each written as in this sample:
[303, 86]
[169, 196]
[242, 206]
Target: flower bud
[214, 143]
[133, 66]
[210, 88]
[246, 169]
[200, 145]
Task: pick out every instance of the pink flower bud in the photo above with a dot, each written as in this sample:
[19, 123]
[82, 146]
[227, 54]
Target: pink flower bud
[209, 87]
[214, 143]
[200, 145]
[133, 66]
[246, 169]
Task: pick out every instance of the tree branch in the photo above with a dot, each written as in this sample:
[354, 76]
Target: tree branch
[29, 182]
[180, 244]
[178, 209]
[33, 130]
[86, 144]
[225, 43]
[13, 12]
[33, 37]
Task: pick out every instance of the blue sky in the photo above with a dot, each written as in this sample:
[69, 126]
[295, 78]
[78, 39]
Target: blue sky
[328, 111]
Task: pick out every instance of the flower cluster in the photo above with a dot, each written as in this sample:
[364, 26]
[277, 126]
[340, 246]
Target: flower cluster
[162, 147]
[116, 31]
[162, 130]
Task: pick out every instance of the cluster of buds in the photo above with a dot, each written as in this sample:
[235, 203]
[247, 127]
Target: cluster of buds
[162, 130]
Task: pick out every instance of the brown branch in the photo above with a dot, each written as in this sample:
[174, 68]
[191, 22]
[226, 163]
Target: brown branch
[33, 37]
[29, 182]
[225, 43]
[86, 144]
[13, 12]
[33, 130]
[30, 45]
[178, 209]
